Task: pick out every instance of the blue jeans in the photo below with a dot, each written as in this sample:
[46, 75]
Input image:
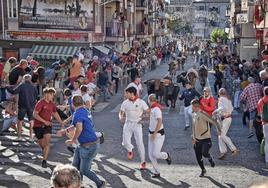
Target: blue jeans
[82, 160]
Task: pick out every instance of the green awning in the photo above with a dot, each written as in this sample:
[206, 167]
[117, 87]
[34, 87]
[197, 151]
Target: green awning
[53, 52]
[102, 49]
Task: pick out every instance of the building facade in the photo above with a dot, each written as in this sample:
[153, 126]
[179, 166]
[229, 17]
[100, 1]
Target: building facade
[209, 14]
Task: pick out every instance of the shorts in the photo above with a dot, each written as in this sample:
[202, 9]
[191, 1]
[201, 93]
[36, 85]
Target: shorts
[252, 114]
[41, 131]
[23, 111]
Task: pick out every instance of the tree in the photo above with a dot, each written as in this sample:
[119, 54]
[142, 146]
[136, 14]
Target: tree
[218, 35]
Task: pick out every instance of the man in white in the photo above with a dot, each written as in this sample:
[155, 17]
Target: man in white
[130, 114]
[225, 109]
[156, 135]
[137, 84]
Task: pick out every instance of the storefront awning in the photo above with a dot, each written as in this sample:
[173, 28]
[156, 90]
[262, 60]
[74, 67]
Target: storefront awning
[102, 49]
[53, 52]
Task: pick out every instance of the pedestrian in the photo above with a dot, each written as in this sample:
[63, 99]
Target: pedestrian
[263, 112]
[27, 98]
[218, 79]
[207, 102]
[65, 175]
[138, 86]
[76, 88]
[116, 75]
[251, 95]
[156, 135]
[131, 114]
[201, 135]
[102, 83]
[17, 72]
[188, 95]
[86, 151]
[225, 109]
[43, 112]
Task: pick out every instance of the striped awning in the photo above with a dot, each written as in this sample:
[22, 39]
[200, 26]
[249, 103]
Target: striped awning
[53, 52]
[102, 49]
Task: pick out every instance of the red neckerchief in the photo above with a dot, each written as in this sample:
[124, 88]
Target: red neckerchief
[136, 83]
[133, 100]
[156, 104]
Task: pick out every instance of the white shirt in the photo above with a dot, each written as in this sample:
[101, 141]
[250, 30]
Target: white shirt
[91, 87]
[86, 98]
[138, 87]
[154, 115]
[225, 106]
[81, 57]
[76, 92]
[134, 110]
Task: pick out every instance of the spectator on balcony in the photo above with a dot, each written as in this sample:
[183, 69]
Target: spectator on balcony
[144, 26]
[115, 23]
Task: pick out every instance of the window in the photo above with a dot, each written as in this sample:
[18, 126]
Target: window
[201, 8]
[12, 6]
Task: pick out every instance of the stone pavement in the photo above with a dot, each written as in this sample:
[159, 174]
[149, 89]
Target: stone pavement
[112, 165]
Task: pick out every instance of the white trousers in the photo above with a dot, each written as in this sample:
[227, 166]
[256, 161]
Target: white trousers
[265, 133]
[188, 115]
[237, 99]
[131, 128]
[224, 140]
[154, 150]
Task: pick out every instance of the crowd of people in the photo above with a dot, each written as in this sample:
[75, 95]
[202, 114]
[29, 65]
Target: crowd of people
[43, 93]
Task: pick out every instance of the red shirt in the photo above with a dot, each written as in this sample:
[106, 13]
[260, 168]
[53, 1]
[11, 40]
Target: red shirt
[1, 70]
[207, 105]
[45, 111]
[260, 106]
[90, 76]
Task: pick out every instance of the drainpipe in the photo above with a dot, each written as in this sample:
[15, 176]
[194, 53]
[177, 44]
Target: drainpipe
[3, 19]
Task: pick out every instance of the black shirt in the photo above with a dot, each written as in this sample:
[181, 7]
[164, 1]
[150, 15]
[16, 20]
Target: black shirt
[14, 75]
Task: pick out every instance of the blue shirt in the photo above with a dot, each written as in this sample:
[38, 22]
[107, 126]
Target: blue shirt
[188, 95]
[82, 115]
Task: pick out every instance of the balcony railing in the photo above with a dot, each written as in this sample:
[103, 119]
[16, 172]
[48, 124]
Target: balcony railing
[114, 29]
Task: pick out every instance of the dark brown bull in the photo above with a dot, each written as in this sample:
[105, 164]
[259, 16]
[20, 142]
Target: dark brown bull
[203, 75]
[164, 89]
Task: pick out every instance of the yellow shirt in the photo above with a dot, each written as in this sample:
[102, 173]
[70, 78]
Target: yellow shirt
[244, 84]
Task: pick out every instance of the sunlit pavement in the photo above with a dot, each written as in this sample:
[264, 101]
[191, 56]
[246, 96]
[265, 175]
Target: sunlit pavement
[20, 165]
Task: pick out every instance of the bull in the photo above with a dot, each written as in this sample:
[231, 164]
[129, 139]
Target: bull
[203, 74]
[164, 89]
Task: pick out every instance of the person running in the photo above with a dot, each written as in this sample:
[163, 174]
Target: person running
[225, 109]
[137, 84]
[188, 95]
[201, 135]
[207, 102]
[86, 151]
[43, 112]
[131, 114]
[263, 112]
[156, 135]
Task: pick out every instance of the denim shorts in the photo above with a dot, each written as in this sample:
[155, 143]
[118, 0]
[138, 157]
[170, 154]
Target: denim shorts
[252, 114]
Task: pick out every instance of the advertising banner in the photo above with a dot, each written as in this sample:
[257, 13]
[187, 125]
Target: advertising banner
[59, 15]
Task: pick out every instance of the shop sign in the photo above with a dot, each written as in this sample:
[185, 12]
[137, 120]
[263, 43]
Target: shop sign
[244, 5]
[242, 18]
[47, 36]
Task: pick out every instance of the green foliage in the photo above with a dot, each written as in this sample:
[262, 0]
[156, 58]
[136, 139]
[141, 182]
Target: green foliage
[218, 35]
[178, 26]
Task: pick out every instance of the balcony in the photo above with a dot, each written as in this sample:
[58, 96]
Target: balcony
[114, 31]
[142, 31]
